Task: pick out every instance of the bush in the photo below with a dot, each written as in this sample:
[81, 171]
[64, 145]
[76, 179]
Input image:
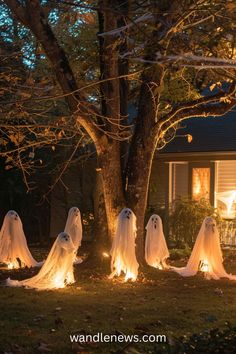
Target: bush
[179, 253]
[186, 219]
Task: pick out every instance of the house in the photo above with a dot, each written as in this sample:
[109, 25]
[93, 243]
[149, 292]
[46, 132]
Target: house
[202, 168]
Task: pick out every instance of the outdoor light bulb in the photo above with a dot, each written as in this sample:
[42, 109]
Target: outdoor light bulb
[12, 265]
[157, 265]
[58, 281]
[204, 267]
[130, 276]
[105, 254]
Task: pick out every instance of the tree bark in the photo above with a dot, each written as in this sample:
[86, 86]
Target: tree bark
[140, 164]
[109, 162]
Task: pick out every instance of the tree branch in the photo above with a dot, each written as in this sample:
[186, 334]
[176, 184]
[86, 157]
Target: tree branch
[33, 17]
[214, 105]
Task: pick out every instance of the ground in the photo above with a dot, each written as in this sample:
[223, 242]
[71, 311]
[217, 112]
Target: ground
[160, 302]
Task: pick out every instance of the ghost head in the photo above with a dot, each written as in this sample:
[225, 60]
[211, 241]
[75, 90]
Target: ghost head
[12, 214]
[123, 246]
[155, 221]
[210, 225]
[13, 245]
[64, 241]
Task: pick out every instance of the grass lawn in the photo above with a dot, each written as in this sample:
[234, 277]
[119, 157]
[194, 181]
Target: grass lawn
[160, 302]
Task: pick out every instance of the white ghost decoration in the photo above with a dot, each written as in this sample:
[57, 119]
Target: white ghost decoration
[156, 251]
[123, 258]
[74, 229]
[56, 271]
[14, 250]
[206, 255]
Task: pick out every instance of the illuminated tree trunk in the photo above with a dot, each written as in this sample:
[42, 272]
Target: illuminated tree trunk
[109, 162]
[139, 170]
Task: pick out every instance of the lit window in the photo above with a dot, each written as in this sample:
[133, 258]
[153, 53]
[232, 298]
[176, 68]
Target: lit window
[201, 183]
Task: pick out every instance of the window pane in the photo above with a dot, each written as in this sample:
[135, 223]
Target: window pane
[201, 183]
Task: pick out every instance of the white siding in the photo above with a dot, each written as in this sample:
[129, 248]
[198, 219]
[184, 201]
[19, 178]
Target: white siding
[226, 180]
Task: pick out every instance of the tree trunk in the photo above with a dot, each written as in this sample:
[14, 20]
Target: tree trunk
[109, 162]
[140, 164]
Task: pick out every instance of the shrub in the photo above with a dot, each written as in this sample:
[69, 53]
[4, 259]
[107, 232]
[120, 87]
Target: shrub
[186, 219]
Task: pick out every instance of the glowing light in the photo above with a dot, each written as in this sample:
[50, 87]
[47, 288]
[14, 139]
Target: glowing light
[200, 183]
[228, 199]
[12, 265]
[158, 266]
[59, 281]
[130, 276]
[119, 268]
[204, 266]
[70, 278]
[105, 255]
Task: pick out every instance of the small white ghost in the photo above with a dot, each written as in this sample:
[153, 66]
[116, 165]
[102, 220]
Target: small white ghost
[14, 250]
[156, 251]
[206, 255]
[74, 229]
[57, 270]
[123, 258]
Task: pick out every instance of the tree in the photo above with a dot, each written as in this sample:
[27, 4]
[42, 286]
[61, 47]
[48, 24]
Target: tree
[143, 46]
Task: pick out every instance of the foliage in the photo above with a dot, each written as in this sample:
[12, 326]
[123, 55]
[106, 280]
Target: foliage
[186, 219]
[208, 342]
[179, 253]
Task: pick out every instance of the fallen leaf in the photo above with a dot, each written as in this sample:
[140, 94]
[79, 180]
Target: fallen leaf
[43, 348]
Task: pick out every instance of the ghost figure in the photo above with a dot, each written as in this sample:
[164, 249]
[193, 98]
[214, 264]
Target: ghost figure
[206, 255]
[156, 251]
[74, 229]
[14, 250]
[54, 272]
[123, 258]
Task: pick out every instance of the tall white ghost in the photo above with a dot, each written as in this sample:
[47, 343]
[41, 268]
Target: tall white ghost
[54, 272]
[156, 251]
[74, 229]
[123, 258]
[14, 250]
[206, 255]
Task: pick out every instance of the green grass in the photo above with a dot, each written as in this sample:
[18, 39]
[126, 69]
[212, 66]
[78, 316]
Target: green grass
[158, 303]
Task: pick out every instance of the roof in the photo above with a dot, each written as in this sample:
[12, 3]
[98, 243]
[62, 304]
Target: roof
[210, 134]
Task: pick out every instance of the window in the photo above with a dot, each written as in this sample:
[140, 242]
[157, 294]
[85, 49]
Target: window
[201, 183]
